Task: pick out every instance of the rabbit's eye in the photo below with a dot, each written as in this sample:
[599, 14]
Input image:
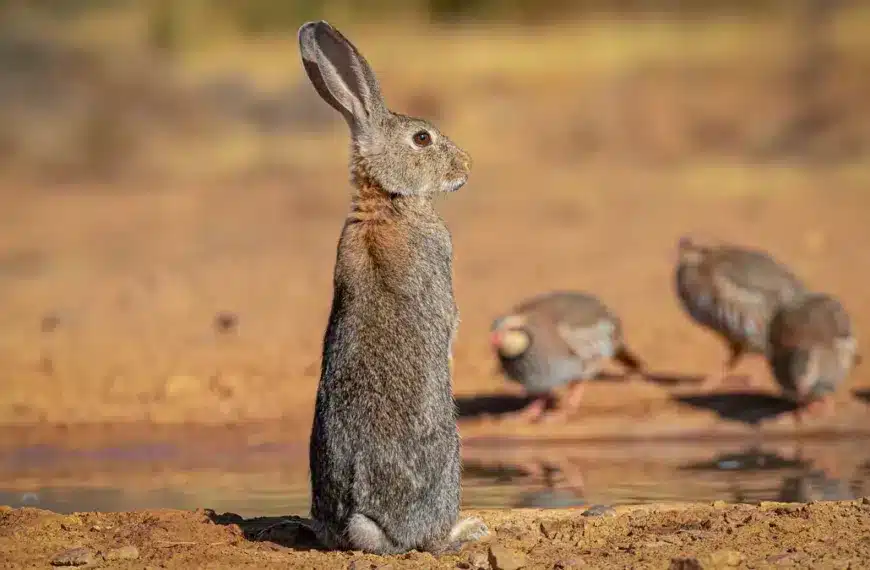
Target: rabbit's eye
[422, 139]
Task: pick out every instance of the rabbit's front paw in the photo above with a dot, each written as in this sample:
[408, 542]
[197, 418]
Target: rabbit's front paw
[468, 530]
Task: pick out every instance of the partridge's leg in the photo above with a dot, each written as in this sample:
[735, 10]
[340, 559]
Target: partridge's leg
[735, 355]
[821, 407]
[569, 404]
[532, 412]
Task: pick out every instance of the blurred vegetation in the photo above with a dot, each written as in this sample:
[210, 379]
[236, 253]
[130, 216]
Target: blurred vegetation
[175, 22]
[105, 87]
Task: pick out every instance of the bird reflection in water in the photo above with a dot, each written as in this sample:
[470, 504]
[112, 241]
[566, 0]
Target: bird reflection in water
[544, 484]
[790, 477]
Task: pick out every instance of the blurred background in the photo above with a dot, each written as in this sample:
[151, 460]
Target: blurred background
[173, 189]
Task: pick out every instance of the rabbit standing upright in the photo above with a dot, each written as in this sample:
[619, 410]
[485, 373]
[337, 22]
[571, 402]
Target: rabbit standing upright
[384, 450]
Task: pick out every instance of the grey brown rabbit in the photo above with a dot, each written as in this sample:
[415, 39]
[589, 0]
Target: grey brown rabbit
[733, 291]
[384, 449]
[558, 338]
[812, 351]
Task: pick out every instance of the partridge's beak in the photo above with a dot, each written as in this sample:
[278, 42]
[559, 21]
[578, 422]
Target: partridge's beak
[495, 339]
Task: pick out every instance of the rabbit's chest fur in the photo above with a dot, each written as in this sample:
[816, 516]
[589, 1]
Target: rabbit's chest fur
[384, 441]
[394, 300]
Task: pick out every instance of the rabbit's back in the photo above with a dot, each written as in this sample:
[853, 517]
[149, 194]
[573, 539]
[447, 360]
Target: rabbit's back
[385, 442]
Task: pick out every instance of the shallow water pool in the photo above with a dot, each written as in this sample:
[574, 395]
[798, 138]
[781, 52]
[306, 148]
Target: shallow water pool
[271, 479]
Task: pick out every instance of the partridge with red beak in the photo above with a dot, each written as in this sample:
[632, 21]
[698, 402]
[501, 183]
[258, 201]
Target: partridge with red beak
[556, 339]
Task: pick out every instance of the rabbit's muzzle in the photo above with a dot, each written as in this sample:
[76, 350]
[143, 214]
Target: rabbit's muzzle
[459, 172]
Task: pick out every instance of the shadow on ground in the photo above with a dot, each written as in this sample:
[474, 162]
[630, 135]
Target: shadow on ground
[748, 407]
[669, 379]
[293, 535]
[493, 404]
[498, 404]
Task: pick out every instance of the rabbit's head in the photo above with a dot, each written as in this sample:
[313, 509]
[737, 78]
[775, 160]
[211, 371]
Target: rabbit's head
[403, 155]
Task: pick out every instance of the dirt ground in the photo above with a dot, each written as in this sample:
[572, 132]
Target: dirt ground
[185, 300]
[686, 536]
[208, 305]
[157, 308]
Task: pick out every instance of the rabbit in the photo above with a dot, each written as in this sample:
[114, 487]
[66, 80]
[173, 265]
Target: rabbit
[734, 292]
[384, 452]
[558, 338]
[812, 351]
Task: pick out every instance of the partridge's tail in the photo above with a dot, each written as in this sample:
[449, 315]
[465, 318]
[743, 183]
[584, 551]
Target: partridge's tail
[628, 359]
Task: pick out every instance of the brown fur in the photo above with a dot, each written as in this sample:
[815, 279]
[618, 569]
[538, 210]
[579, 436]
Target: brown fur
[384, 450]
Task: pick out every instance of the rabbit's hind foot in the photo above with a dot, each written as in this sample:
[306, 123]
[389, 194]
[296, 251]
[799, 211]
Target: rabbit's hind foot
[464, 531]
[365, 534]
[468, 530]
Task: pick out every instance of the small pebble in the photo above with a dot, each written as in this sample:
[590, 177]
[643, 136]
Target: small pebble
[225, 322]
[183, 384]
[782, 558]
[511, 531]
[74, 557]
[685, 563]
[569, 564]
[655, 544]
[502, 558]
[30, 498]
[49, 323]
[599, 511]
[550, 529]
[725, 558]
[128, 552]
[70, 524]
[478, 560]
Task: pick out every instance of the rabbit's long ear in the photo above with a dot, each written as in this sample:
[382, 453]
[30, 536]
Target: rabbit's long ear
[340, 73]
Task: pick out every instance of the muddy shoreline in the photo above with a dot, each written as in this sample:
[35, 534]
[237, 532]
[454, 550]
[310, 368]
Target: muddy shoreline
[717, 535]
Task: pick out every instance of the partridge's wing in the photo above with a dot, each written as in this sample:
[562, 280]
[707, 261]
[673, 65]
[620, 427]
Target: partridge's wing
[740, 310]
[589, 342]
[759, 273]
[748, 290]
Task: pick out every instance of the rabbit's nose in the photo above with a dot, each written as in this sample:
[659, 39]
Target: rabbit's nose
[464, 161]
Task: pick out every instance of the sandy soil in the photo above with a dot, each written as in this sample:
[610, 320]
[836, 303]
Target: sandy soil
[688, 536]
[205, 303]
[114, 304]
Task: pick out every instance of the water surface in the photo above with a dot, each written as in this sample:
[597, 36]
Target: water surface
[271, 479]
